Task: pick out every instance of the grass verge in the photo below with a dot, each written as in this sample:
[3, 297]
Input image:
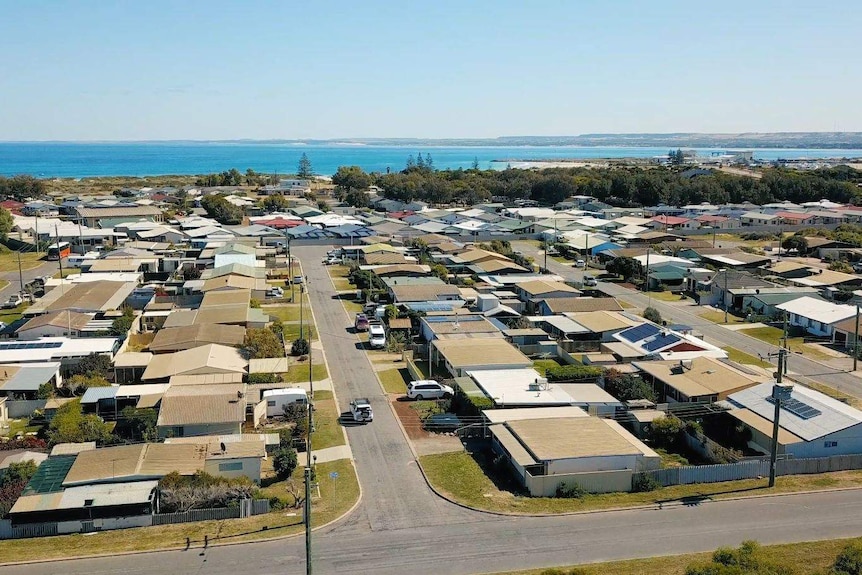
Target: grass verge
[462, 477]
[29, 260]
[805, 558]
[327, 429]
[287, 312]
[773, 336]
[734, 354]
[338, 271]
[299, 372]
[337, 497]
[394, 380]
[666, 296]
[718, 317]
[14, 314]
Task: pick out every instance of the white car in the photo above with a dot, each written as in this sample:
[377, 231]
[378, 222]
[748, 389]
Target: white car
[580, 264]
[376, 335]
[428, 389]
[360, 409]
[275, 292]
[590, 281]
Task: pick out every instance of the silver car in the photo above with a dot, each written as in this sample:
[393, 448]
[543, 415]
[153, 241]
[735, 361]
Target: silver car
[428, 389]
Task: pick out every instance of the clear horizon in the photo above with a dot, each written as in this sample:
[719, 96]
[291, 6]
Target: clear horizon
[267, 70]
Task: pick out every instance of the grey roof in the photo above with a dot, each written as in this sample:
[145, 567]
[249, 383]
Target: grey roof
[834, 415]
[30, 377]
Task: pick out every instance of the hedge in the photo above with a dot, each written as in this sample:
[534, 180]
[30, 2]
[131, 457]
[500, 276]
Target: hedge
[573, 373]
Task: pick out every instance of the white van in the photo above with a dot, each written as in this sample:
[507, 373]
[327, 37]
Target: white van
[277, 399]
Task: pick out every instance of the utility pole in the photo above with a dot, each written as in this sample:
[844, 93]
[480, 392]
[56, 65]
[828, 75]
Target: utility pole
[21, 279]
[59, 252]
[289, 266]
[724, 293]
[855, 336]
[780, 392]
[713, 235]
[301, 291]
[308, 467]
[646, 278]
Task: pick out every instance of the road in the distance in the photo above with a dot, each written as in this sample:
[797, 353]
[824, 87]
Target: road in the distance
[402, 527]
[713, 332]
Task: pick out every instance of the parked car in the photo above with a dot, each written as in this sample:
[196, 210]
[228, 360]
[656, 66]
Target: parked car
[332, 261]
[376, 335]
[360, 409]
[442, 422]
[590, 281]
[275, 292]
[297, 280]
[361, 322]
[580, 264]
[13, 301]
[428, 389]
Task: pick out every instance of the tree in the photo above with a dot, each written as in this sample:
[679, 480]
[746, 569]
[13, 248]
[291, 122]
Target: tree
[304, 169]
[420, 161]
[475, 164]
[742, 561]
[299, 347]
[93, 364]
[297, 414]
[12, 484]
[137, 424]
[351, 178]
[6, 223]
[841, 266]
[70, 425]
[284, 462]
[624, 266]
[429, 163]
[22, 188]
[191, 273]
[653, 315]
[553, 190]
[357, 199]
[666, 432]
[849, 561]
[261, 343]
[222, 210]
[626, 387]
[47, 390]
[795, 242]
[275, 203]
[121, 325]
[80, 383]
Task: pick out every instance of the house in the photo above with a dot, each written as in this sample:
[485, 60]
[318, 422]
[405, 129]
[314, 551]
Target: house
[85, 297]
[460, 356]
[592, 453]
[466, 326]
[423, 292]
[749, 219]
[68, 351]
[180, 338]
[727, 287]
[235, 253]
[235, 455]
[193, 410]
[557, 305]
[109, 402]
[205, 359]
[702, 379]
[811, 424]
[736, 259]
[534, 291]
[796, 218]
[844, 332]
[91, 216]
[22, 381]
[54, 324]
[816, 315]
[649, 341]
[765, 302]
[666, 222]
[718, 222]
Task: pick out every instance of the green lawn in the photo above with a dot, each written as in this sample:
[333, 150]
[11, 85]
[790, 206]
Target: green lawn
[459, 476]
[671, 459]
[734, 354]
[66, 272]
[299, 372]
[338, 271]
[9, 260]
[351, 307]
[23, 426]
[394, 380]
[542, 365]
[808, 558]
[718, 317]
[14, 314]
[342, 284]
[286, 312]
[773, 336]
[291, 330]
[327, 429]
[665, 296]
[337, 497]
[3, 284]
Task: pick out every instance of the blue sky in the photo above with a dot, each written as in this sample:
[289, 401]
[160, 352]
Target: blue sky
[217, 69]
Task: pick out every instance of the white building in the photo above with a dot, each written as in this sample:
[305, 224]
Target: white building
[817, 316]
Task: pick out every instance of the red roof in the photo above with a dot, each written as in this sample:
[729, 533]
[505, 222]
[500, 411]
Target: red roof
[279, 223]
[793, 216]
[12, 206]
[708, 218]
[400, 215]
[670, 220]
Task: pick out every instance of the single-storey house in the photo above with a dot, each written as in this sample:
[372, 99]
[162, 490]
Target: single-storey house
[816, 315]
[702, 379]
[459, 356]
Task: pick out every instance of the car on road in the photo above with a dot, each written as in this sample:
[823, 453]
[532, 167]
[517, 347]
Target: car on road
[297, 280]
[361, 322]
[13, 301]
[332, 261]
[428, 389]
[360, 409]
[376, 335]
[580, 264]
[590, 281]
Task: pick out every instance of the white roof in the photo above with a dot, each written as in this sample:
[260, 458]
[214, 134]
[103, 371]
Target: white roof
[592, 222]
[818, 309]
[758, 216]
[512, 387]
[517, 414]
[53, 349]
[655, 259]
[834, 415]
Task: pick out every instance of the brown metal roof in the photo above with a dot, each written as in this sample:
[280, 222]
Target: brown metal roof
[180, 338]
[194, 405]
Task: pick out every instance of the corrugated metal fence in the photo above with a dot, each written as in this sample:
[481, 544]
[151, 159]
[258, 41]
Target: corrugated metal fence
[751, 469]
[24, 531]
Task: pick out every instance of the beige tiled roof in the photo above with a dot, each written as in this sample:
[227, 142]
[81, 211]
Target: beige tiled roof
[540, 287]
[127, 461]
[602, 321]
[565, 438]
[180, 338]
[707, 376]
[202, 405]
[62, 318]
[210, 358]
[462, 353]
[423, 292]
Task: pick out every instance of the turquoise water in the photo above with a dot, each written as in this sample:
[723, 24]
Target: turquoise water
[143, 159]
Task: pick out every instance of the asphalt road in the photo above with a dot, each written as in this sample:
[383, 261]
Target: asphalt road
[714, 333]
[46, 268]
[402, 527]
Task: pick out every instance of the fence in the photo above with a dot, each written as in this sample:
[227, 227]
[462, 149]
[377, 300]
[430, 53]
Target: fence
[751, 469]
[245, 508]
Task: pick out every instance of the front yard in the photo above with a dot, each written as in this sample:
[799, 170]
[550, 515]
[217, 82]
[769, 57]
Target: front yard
[774, 336]
[471, 480]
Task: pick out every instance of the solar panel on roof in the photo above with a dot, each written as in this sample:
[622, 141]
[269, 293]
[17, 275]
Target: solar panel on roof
[661, 341]
[640, 332]
[41, 345]
[797, 408]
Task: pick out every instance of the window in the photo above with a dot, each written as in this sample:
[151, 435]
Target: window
[270, 403]
[231, 466]
[830, 444]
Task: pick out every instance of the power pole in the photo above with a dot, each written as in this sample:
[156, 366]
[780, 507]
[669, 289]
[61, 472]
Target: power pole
[713, 236]
[724, 295]
[301, 291]
[308, 467]
[780, 392]
[855, 336]
[646, 279]
[289, 267]
[59, 252]
[21, 279]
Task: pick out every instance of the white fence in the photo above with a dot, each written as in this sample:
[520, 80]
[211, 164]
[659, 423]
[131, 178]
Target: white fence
[751, 469]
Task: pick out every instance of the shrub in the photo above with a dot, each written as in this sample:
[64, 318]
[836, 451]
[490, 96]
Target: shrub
[299, 347]
[642, 483]
[849, 561]
[666, 432]
[284, 462]
[573, 373]
[264, 378]
[653, 315]
[573, 491]
[297, 414]
[201, 491]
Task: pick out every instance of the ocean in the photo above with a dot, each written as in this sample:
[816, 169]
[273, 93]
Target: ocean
[75, 160]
